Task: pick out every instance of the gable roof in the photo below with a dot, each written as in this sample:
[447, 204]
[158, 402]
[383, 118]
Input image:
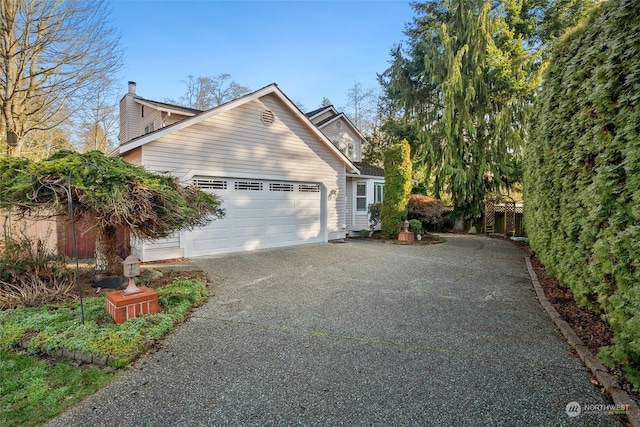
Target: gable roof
[203, 115]
[317, 112]
[332, 118]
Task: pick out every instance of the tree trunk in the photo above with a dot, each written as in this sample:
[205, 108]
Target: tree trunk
[106, 257]
[458, 226]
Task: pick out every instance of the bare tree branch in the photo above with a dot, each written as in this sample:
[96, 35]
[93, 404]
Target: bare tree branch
[51, 53]
[204, 93]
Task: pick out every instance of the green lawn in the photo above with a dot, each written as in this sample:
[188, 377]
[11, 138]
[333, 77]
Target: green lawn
[35, 386]
[32, 390]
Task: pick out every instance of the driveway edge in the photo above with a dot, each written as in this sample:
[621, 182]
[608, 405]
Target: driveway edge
[599, 371]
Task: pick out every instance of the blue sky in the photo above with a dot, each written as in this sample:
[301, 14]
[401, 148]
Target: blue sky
[311, 49]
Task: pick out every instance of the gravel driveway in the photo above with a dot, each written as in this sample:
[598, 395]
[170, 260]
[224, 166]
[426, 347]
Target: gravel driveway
[359, 333]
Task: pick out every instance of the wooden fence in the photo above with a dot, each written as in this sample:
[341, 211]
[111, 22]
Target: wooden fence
[58, 236]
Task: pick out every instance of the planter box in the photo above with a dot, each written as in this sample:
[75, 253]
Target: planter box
[123, 307]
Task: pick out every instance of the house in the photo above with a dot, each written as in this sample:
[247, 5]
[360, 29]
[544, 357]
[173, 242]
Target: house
[282, 175]
[363, 188]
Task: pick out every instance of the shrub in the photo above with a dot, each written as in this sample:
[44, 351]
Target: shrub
[374, 214]
[582, 173]
[31, 275]
[425, 209]
[364, 232]
[415, 226]
[397, 185]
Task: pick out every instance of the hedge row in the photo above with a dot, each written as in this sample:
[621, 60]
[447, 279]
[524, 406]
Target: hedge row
[582, 172]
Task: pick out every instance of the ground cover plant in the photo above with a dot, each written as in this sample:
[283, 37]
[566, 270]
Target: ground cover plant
[44, 350]
[582, 173]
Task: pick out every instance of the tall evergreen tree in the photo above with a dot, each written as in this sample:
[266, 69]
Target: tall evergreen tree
[465, 84]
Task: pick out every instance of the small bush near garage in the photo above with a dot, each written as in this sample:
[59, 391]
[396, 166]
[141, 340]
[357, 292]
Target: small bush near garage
[582, 173]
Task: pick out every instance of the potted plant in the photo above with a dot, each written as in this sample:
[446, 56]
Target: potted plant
[415, 226]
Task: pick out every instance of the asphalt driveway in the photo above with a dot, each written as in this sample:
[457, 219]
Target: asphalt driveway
[359, 333]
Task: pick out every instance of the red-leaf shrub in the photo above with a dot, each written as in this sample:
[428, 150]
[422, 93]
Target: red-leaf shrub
[425, 209]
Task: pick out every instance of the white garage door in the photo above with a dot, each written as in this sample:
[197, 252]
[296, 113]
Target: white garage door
[259, 214]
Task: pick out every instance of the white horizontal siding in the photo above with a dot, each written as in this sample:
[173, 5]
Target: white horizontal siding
[158, 249]
[237, 143]
[326, 162]
[344, 133]
[349, 204]
[150, 116]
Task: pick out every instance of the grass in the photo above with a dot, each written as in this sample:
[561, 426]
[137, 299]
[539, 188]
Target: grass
[34, 386]
[33, 390]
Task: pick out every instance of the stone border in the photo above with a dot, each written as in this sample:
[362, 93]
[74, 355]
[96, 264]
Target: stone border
[599, 371]
[77, 355]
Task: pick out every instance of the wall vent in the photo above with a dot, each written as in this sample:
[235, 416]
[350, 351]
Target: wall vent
[268, 117]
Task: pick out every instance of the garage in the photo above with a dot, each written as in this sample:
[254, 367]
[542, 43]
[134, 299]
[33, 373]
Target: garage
[259, 214]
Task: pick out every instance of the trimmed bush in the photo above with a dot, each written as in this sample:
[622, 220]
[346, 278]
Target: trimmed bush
[397, 187]
[582, 172]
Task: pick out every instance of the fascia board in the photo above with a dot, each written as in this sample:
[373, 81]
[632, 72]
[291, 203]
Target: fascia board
[165, 109]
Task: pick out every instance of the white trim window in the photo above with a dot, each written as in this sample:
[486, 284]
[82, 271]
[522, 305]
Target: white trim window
[378, 191]
[361, 197]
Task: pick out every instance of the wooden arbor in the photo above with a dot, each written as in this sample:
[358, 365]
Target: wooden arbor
[498, 203]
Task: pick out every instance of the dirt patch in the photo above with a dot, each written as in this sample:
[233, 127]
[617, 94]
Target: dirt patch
[594, 332]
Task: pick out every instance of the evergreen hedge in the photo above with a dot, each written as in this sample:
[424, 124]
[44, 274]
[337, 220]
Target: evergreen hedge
[582, 172]
[397, 187]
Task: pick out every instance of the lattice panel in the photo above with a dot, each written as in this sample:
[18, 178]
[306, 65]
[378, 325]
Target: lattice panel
[510, 218]
[489, 216]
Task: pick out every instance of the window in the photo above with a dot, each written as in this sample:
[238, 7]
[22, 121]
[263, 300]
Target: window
[308, 188]
[150, 127]
[351, 150]
[361, 197]
[378, 191]
[210, 184]
[275, 186]
[347, 147]
[248, 186]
